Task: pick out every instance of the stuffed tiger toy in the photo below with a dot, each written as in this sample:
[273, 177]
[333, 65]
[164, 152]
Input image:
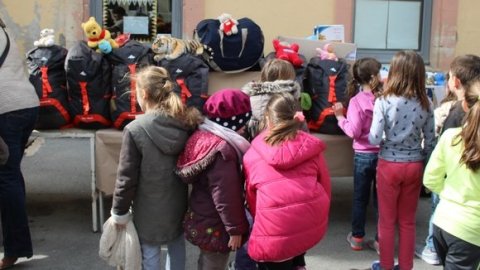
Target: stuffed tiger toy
[171, 48]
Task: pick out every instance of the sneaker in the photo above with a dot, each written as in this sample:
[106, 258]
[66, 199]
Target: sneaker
[356, 243]
[428, 255]
[373, 244]
[376, 265]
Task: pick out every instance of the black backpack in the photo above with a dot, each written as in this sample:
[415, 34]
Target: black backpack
[190, 75]
[47, 75]
[126, 61]
[89, 87]
[235, 53]
[326, 82]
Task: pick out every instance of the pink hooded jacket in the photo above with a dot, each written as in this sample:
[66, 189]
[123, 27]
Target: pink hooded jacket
[288, 193]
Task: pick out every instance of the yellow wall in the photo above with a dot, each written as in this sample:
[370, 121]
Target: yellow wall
[284, 17]
[26, 18]
[468, 32]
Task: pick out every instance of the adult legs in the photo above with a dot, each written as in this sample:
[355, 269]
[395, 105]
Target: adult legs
[15, 129]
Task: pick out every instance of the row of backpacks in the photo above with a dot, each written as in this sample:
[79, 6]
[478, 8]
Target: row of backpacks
[86, 89]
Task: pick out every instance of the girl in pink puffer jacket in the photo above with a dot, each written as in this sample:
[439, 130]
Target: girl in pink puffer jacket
[288, 188]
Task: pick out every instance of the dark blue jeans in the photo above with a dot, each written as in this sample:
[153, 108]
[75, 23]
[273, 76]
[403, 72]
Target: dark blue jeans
[15, 129]
[364, 185]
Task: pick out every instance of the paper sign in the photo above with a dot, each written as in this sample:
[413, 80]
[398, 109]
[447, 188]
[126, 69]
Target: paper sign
[137, 25]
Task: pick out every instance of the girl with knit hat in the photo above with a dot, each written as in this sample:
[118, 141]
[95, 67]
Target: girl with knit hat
[287, 186]
[211, 162]
[145, 177]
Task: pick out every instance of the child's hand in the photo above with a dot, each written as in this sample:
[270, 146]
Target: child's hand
[235, 242]
[338, 109]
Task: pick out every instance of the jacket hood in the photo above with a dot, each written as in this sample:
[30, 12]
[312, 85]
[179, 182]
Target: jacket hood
[166, 133]
[199, 152]
[269, 88]
[289, 153]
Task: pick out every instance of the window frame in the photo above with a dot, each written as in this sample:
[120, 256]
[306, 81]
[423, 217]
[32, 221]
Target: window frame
[96, 10]
[385, 56]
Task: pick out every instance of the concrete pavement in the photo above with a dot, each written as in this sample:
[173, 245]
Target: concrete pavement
[58, 198]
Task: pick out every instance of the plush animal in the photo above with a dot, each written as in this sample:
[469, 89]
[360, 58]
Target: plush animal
[47, 38]
[95, 34]
[286, 51]
[104, 46]
[171, 48]
[122, 39]
[327, 52]
[228, 24]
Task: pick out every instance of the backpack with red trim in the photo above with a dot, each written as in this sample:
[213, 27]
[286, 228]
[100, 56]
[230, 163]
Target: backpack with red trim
[47, 75]
[190, 75]
[89, 87]
[126, 61]
[326, 83]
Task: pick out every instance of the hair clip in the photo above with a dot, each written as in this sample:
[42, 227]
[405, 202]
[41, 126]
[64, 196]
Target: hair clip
[299, 116]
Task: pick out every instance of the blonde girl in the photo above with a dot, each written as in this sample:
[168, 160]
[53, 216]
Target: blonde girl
[146, 181]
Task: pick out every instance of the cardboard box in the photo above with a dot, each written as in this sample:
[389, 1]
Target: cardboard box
[329, 32]
[307, 47]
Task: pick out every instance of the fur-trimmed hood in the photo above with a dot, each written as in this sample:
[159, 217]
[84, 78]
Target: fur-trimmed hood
[199, 152]
[270, 88]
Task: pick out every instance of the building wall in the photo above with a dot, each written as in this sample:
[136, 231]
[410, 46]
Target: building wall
[287, 18]
[26, 18]
[468, 32]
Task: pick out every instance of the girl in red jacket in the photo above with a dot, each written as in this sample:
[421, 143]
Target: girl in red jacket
[288, 188]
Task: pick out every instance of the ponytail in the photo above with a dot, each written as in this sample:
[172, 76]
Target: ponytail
[470, 134]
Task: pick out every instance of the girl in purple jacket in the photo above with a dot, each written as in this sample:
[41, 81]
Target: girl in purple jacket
[288, 188]
[362, 90]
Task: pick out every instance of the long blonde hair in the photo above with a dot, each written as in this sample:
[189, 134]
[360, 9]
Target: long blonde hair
[155, 81]
[406, 78]
[280, 112]
[470, 134]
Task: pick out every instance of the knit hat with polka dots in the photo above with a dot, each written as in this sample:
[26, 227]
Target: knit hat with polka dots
[229, 108]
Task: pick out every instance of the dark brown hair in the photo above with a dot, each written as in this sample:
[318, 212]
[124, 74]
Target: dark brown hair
[277, 69]
[465, 68]
[280, 112]
[406, 78]
[365, 71]
[155, 81]
[470, 134]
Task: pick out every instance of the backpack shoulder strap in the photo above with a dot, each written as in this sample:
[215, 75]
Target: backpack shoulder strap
[7, 48]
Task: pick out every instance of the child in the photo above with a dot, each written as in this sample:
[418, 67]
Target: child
[456, 232]
[277, 76]
[288, 188]
[402, 119]
[362, 91]
[463, 70]
[145, 177]
[215, 221]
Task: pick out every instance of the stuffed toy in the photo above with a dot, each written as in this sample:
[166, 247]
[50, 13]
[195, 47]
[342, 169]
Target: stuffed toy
[228, 24]
[95, 34]
[122, 39]
[171, 48]
[327, 52]
[47, 38]
[286, 51]
[104, 46]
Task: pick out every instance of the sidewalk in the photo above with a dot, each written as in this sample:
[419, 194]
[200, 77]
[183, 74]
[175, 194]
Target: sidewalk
[58, 198]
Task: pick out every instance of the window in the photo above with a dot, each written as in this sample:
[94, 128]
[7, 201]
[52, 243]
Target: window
[383, 27]
[143, 19]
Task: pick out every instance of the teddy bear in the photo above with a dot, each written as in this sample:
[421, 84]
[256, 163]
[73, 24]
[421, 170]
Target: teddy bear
[95, 34]
[228, 24]
[47, 38]
[286, 51]
[327, 52]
